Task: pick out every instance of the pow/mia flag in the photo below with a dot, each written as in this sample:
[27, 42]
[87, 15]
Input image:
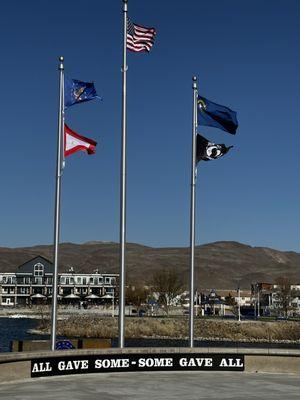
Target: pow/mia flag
[207, 150]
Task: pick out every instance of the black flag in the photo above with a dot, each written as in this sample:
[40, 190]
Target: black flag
[207, 150]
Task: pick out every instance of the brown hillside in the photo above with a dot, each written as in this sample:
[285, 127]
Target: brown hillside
[223, 265]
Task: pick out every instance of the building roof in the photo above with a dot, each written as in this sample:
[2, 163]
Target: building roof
[28, 266]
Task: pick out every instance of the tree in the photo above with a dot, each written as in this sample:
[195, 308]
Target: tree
[284, 294]
[230, 301]
[43, 310]
[168, 284]
[136, 295]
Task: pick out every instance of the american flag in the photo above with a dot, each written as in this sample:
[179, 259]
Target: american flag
[139, 38]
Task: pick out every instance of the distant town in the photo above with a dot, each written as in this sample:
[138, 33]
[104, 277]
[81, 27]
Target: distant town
[30, 285]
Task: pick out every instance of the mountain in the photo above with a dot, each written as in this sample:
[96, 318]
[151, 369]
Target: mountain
[223, 265]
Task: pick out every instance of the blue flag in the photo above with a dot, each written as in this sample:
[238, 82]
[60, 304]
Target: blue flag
[64, 345]
[212, 114]
[78, 92]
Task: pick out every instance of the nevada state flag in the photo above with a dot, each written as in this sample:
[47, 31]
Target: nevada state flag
[216, 115]
[74, 142]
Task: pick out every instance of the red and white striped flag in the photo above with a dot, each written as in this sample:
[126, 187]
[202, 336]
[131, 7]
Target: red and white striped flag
[139, 38]
[75, 142]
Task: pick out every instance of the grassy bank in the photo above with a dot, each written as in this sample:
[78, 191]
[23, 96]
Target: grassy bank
[177, 328]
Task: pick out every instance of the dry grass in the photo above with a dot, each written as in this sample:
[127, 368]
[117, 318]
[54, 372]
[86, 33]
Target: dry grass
[177, 328]
[248, 331]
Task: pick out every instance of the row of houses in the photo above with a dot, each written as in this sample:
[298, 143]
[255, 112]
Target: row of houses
[263, 299]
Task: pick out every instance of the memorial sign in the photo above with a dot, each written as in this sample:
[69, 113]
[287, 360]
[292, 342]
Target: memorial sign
[134, 362]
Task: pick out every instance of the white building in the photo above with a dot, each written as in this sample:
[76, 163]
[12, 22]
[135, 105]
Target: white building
[32, 283]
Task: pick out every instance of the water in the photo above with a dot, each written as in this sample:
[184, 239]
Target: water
[16, 329]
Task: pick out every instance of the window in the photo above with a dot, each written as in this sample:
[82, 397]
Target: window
[38, 280]
[8, 280]
[62, 280]
[107, 280]
[79, 280]
[84, 281]
[48, 281]
[38, 269]
[91, 280]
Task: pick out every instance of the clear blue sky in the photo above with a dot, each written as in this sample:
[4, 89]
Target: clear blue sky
[246, 55]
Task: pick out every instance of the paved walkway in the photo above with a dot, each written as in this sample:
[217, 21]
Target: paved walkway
[157, 386]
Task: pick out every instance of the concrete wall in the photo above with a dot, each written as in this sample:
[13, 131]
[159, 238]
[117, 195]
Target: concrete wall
[271, 363]
[16, 366]
[14, 371]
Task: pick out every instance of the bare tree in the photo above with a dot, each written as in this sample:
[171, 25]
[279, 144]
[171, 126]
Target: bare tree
[230, 301]
[136, 295]
[285, 294]
[43, 311]
[168, 284]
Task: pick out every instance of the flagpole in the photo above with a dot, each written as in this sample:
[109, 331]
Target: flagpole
[192, 215]
[239, 305]
[59, 165]
[123, 189]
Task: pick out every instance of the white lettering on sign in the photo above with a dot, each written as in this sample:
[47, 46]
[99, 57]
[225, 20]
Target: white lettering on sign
[155, 362]
[142, 362]
[41, 367]
[106, 363]
[231, 362]
[195, 362]
[73, 364]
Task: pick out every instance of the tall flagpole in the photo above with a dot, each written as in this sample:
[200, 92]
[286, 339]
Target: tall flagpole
[59, 167]
[192, 216]
[123, 190]
[239, 304]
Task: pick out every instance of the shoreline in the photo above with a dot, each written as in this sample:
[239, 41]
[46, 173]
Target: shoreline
[163, 330]
[95, 323]
[92, 326]
[197, 339]
[45, 314]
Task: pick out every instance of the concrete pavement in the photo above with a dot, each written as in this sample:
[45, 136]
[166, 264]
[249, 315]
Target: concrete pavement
[157, 386]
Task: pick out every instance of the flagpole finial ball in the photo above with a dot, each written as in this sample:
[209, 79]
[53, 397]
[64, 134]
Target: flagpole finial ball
[61, 59]
[194, 78]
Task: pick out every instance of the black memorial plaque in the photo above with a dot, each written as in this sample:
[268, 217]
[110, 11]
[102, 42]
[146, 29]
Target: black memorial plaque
[134, 362]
